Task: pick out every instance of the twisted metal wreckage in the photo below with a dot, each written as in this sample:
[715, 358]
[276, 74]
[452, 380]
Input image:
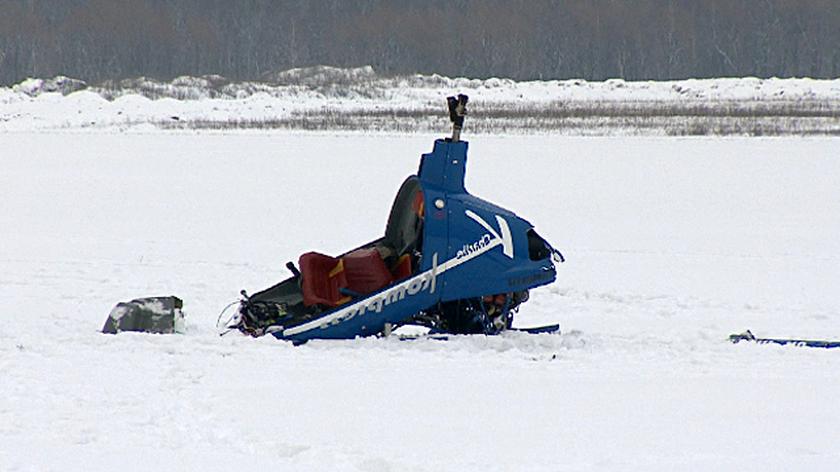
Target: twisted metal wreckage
[448, 261]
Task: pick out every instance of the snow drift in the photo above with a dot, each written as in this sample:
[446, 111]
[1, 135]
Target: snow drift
[329, 98]
[671, 245]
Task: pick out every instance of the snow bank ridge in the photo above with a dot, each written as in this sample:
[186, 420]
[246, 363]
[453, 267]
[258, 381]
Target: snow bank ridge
[353, 99]
[340, 82]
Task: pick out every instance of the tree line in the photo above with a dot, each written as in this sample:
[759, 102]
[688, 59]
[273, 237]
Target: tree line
[522, 39]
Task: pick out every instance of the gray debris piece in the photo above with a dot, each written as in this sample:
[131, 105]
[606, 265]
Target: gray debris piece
[161, 315]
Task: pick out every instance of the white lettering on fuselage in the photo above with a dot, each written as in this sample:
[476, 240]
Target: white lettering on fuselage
[410, 287]
[420, 282]
[468, 249]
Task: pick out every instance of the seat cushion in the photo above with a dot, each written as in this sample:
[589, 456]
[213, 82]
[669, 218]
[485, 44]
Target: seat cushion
[322, 278]
[366, 272]
[402, 269]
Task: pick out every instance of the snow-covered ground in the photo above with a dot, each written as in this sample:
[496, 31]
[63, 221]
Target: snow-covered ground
[326, 98]
[672, 244]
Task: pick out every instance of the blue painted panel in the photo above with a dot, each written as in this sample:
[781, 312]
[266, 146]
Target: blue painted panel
[471, 248]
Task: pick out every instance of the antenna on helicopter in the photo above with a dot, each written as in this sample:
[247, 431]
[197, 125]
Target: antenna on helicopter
[457, 111]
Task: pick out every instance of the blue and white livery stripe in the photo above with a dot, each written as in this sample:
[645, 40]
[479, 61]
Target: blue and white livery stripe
[419, 283]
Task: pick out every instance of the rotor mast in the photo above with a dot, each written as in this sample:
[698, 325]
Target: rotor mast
[457, 111]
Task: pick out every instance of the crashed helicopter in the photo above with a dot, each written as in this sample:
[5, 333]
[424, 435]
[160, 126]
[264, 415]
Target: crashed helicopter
[448, 261]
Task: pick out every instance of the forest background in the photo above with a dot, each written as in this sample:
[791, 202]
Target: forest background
[96, 40]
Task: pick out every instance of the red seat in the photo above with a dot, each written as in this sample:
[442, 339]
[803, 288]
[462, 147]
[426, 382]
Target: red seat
[402, 269]
[322, 278]
[366, 272]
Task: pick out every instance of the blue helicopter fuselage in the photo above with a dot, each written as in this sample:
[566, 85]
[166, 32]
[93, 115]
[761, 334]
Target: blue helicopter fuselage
[471, 248]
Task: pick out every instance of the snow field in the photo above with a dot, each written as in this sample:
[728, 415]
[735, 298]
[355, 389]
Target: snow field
[326, 98]
[672, 244]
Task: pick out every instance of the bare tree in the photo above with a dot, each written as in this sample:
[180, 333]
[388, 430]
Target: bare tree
[523, 39]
